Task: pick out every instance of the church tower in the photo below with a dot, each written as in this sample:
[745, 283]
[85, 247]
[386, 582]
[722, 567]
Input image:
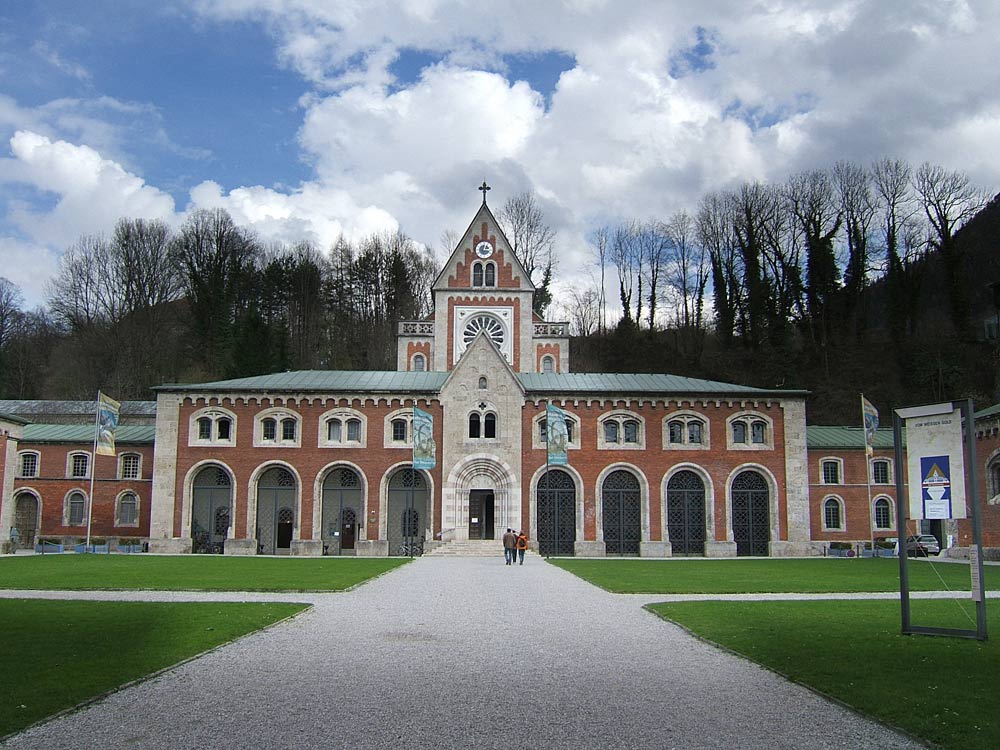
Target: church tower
[483, 288]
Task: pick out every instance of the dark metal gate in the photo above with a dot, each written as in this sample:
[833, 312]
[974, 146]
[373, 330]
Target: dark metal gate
[407, 513]
[622, 504]
[751, 514]
[210, 511]
[556, 509]
[686, 513]
[275, 511]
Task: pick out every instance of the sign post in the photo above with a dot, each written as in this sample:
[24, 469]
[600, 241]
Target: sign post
[941, 484]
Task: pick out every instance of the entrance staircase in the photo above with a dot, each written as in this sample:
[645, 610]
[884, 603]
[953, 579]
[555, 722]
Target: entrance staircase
[467, 548]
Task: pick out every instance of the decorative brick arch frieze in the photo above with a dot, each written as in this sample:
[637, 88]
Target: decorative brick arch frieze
[187, 496]
[772, 500]
[317, 514]
[251, 496]
[706, 479]
[599, 497]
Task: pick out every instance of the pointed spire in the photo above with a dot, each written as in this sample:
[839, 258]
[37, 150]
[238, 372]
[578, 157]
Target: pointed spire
[484, 187]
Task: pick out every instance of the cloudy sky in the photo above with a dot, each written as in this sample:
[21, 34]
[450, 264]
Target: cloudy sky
[308, 119]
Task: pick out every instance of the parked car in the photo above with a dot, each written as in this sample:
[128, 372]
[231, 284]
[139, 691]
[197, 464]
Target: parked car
[922, 545]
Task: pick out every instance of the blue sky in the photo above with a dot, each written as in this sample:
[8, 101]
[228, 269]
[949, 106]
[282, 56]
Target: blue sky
[309, 119]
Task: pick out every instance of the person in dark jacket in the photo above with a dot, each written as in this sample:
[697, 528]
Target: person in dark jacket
[509, 547]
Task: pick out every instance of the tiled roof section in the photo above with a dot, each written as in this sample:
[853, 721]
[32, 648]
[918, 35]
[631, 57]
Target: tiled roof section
[84, 433]
[326, 381]
[991, 411]
[29, 409]
[640, 383]
[821, 436]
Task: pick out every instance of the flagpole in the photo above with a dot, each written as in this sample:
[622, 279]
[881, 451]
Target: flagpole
[869, 453]
[93, 468]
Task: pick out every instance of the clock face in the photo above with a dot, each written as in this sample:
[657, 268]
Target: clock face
[484, 249]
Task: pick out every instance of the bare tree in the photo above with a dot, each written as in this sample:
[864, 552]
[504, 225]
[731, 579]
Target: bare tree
[949, 200]
[583, 310]
[688, 269]
[602, 242]
[10, 309]
[716, 235]
[858, 207]
[626, 256]
[531, 239]
[651, 244]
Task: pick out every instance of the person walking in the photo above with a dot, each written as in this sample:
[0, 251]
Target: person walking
[509, 547]
[522, 545]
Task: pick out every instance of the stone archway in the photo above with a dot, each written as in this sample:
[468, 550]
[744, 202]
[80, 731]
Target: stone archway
[407, 512]
[26, 518]
[275, 511]
[343, 505]
[751, 514]
[621, 497]
[686, 513]
[211, 510]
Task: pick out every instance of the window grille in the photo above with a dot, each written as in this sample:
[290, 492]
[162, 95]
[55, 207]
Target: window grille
[831, 514]
[29, 464]
[831, 472]
[333, 430]
[399, 430]
[288, 429]
[880, 472]
[81, 462]
[130, 466]
[610, 432]
[354, 430]
[268, 429]
[883, 517]
[204, 428]
[128, 510]
[739, 432]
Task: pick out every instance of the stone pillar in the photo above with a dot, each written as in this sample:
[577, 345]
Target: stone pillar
[796, 482]
[161, 511]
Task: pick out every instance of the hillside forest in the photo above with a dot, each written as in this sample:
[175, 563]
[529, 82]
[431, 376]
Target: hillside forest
[878, 279]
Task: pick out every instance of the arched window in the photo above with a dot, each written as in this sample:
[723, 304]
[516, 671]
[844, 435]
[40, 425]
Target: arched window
[79, 465]
[474, 425]
[490, 425]
[129, 466]
[76, 509]
[419, 363]
[334, 430]
[482, 383]
[341, 428]
[684, 431]
[398, 430]
[571, 433]
[277, 427]
[212, 425]
[832, 519]
[631, 428]
[548, 364]
[127, 513]
[610, 432]
[477, 274]
[750, 431]
[354, 430]
[880, 472]
[883, 513]
[831, 471]
[491, 275]
[268, 429]
[621, 429]
[28, 464]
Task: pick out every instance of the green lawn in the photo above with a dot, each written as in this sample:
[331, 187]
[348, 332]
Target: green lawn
[190, 572]
[939, 689]
[761, 576]
[57, 654]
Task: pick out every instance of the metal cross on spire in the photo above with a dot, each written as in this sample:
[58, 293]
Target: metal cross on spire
[484, 187]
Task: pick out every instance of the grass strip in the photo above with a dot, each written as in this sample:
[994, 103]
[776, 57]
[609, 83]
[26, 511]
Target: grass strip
[58, 654]
[631, 576]
[189, 572]
[939, 689]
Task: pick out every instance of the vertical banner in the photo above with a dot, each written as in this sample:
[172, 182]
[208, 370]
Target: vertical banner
[869, 420]
[557, 437]
[107, 423]
[935, 462]
[424, 448]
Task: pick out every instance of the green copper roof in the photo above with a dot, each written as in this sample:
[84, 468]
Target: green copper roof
[639, 383]
[84, 433]
[847, 437]
[326, 381]
[410, 382]
[987, 412]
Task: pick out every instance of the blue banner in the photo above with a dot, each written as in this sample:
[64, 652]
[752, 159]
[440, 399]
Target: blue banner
[557, 437]
[424, 448]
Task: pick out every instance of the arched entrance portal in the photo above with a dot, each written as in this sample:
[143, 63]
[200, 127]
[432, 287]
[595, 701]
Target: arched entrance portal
[686, 513]
[622, 506]
[556, 522]
[210, 510]
[275, 511]
[26, 518]
[751, 514]
[408, 520]
[342, 507]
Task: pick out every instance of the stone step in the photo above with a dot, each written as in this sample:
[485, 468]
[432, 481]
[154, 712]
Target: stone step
[470, 548]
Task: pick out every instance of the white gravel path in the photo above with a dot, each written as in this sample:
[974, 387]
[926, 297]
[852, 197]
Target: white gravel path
[463, 653]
